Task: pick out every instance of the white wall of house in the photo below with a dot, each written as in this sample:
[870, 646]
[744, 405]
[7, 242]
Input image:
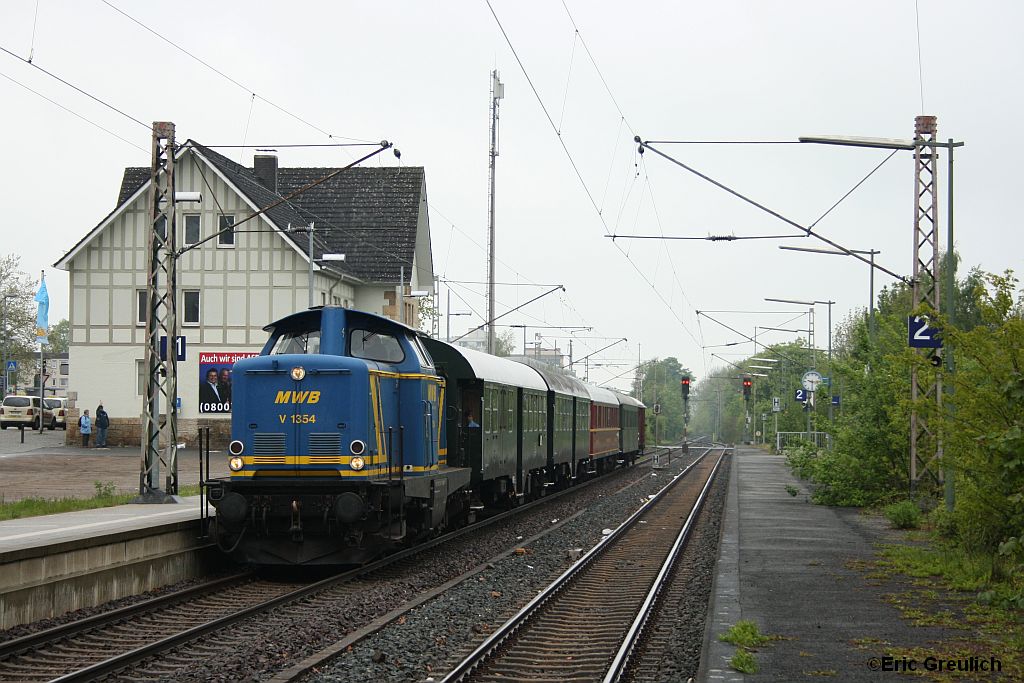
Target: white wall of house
[242, 288]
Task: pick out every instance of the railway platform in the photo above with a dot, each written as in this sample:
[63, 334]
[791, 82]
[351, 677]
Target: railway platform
[790, 566]
[52, 564]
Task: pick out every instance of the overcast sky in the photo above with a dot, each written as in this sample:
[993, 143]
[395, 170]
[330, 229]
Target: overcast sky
[417, 73]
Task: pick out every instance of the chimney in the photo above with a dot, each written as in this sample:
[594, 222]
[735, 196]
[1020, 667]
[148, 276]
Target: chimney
[265, 168]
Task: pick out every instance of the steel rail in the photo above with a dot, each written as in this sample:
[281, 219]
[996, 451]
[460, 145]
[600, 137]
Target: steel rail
[636, 629]
[16, 646]
[131, 657]
[496, 639]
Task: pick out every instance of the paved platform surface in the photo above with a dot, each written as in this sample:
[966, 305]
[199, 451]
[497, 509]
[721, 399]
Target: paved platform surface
[44, 467]
[785, 563]
[65, 527]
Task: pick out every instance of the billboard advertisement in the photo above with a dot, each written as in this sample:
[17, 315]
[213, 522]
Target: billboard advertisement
[215, 379]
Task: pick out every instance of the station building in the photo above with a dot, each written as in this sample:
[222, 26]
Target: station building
[234, 283]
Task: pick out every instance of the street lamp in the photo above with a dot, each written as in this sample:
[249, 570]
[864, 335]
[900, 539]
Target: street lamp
[871, 280]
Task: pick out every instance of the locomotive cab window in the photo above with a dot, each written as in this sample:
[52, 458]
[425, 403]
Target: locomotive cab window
[421, 352]
[376, 346]
[297, 341]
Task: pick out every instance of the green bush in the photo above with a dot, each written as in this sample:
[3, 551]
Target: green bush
[903, 515]
[943, 521]
[844, 479]
[803, 460]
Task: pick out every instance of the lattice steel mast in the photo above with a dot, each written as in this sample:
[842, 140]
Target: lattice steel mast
[925, 444]
[161, 376]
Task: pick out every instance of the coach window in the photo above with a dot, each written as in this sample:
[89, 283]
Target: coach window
[375, 346]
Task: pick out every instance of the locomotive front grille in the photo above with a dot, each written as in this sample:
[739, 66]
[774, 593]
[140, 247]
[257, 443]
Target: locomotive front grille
[268, 444]
[326, 444]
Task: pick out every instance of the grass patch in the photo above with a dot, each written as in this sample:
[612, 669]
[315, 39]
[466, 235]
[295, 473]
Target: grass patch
[744, 633]
[962, 570]
[744, 662]
[106, 496]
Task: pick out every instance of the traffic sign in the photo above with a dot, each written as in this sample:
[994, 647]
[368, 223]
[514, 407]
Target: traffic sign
[835, 400]
[657, 409]
[11, 366]
[801, 395]
[179, 345]
[921, 335]
[776, 404]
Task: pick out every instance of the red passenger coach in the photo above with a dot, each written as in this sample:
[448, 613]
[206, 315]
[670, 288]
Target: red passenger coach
[604, 426]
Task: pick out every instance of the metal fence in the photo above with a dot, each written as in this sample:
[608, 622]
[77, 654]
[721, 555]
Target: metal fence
[786, 439]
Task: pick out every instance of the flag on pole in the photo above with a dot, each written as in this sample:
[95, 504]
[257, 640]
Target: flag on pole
[43, 315]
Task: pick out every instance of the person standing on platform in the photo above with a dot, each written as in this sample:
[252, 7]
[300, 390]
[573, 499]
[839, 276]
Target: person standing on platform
[85, 427]
[102, 423]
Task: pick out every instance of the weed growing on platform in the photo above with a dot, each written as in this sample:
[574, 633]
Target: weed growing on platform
[744, 662]
[745, 633]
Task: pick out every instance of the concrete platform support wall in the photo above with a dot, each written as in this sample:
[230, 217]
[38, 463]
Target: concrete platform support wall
[42, 583]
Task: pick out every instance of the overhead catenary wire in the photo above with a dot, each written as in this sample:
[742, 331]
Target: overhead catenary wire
[776, 214]
[225, 76]
[571, 158]
[74, 113]
[74, 87]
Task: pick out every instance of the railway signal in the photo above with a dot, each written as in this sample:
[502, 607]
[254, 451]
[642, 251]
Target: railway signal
[685, 383]
[747, 384]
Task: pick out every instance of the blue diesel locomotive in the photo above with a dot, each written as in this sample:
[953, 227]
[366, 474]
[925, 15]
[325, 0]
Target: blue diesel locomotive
[353, 435]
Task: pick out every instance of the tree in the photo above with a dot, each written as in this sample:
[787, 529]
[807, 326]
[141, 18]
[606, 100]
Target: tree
[427, 313]
[60, 336]
[662, 386]
[504, 343]
[18, 311]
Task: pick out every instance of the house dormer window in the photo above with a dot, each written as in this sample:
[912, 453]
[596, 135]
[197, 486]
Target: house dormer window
[226, 231]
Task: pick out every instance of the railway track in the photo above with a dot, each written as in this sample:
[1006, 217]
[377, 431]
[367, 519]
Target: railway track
[586, 624]
[113, 644]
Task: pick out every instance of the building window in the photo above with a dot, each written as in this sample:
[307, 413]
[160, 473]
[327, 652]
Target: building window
[192, 228]
[161, 227]
[140, 371]
[141, 307]
[226, 231]
[64, 368]
[190, 309]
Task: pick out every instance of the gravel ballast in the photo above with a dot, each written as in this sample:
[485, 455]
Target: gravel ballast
[428, 641]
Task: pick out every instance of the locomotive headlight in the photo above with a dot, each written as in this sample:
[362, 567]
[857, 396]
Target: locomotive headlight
[357, 447]
[235, 463]
[357, 463]
[298, 372]
[235, 447]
